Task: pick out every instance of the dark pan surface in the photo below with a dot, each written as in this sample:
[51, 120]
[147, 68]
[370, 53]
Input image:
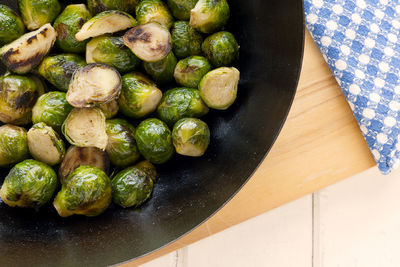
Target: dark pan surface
[189, 190]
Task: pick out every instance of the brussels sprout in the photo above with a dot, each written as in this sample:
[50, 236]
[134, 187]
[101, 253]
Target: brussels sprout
[218, 88]
[154, 141]
[87, 191]
[191, 137]
[189, 71]
[83, 156]
[13, 145]
[162, 71]
[139, 97]
[148, 168]
[94, 84]
[181, 8]
[221, 49]
[186, 41]
[97, 6]
[209, 15]
[86, 127]
[18, 94]
[68, 24]
[150, 42]
[58, 70]
[121, 147]
[25, 53]
[30, 184]
[106, 22]
[11, 25]
[178, 103]
[110, 109]
[154, 11]
[113, 52]
[36, 13]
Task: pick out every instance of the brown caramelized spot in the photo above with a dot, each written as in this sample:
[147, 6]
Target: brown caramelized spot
[62, 31]
[138, 34]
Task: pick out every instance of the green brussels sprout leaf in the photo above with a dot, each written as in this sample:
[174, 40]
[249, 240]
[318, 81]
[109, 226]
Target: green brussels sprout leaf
[11, 25]
[221, 49]
[186, 41]
[13, 145]
[36, 13]
[162, 71]
[209, 15]
[154, 11]
[189, 71]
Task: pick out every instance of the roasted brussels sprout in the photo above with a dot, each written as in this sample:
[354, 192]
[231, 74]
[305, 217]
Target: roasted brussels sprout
[189, 71]
[11, 25]
[58, 70]
[30, 184]
[110, 109]
[221, 49]
[97, 6]
[162, 71]
[68, 24]
[106, 22]
[121, 148]
[218, 88]
[154, 141]
[13, 145]
[191, 137]
[209, 15]
[83, 156]
[113, 52]
[25, 53]
[186, 41]
[86, 191]
[178, 103]
[148, 168]
[181, 8]
[36, 13]
[94, 84]
[86, 127]
[139, 96]
[150, 42]
[154, 11]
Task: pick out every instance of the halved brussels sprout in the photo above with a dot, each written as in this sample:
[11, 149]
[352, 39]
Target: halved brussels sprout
[25, 53]
[113, 52]
[221, 49]
[189, 71]
[154, 141]
[110, 109]
[139, 96]
[58, 70]
[154, 11]
[30, 184]
[181, 8]
[13, 145]
[94, 84]
[97, 6]
[106, 22]
[218, 88]
[162, 71]
[209, 15]
[121, 148]
[87, 191]
[191, 137]
[83, 156]
[186, 41]
[150, 42]
[11, 25]
[68, 24]
[86, 127]
[36, 13]
[178, 103]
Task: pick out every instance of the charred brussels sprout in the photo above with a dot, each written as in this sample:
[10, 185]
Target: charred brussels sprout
[110, 109]
[58, 70]
[179, 103]
[87, 191]
[162, 71]
[186, 41]
[221, 49]
[121, 147]
[181, 8]
[154, 11]
[13, 145]
[68, 24]
[11, 25]
[189, 71]
[30, 184]
[36, 13]
[139, 96]
[209, 15]
[113, 52]
[154, 141]
[191, 137]
[97, 6]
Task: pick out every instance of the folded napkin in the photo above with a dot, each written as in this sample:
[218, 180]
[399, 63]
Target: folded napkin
[360, 41]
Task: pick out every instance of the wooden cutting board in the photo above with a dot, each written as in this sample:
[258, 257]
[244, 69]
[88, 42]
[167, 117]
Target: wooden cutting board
[319, 145]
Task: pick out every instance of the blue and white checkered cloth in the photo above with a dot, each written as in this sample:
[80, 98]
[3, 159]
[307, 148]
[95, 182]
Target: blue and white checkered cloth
[360, 40]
